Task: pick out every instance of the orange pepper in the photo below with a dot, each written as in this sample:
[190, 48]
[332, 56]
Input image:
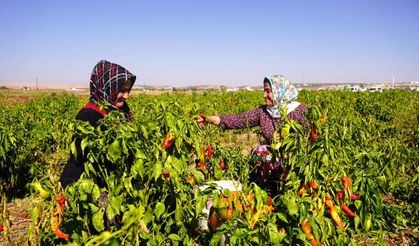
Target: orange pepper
[334, 213]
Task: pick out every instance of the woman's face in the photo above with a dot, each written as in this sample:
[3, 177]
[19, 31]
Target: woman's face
[268, 95]
[123, 95]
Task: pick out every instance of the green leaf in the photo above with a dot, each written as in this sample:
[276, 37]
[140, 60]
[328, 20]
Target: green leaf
[292, 207]
[158, 169]
[274, 236]
[159, 210]
[175, 237]
[114, 151]
[282, 217]
[98, 222]
[358, 204]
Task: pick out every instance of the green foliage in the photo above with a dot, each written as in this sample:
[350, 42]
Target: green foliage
[369, 137]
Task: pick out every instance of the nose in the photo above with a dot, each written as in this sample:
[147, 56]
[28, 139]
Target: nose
[125, 95]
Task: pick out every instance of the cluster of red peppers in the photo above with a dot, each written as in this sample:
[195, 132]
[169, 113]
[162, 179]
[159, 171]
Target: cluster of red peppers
[305, 224]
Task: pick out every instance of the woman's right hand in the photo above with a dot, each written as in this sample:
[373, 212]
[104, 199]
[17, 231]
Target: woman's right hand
[202, 119]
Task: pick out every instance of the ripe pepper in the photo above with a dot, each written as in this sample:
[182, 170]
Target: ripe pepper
[333, 213]
[222, 165]
[313, 132]
[207, 153]
[168, 140]
[201, 119]
[60, 234]
[305, 225]
[348, 211]
[313, 185]
[166, 174]
[339, 195]
[56, 219]
[355, 197]
[60, 199]
[201, 165]
[347, 184]
[1, 228]
[302, 190]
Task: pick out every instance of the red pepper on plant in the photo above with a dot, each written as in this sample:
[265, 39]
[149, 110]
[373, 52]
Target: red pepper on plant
[201, 165]
[60, 234]
[313, 185]
[222, 165]
[168, 140]
[60, 199]
[348, 211]
[313, 132]
[355, 197]
[339, 195]
[347, 184]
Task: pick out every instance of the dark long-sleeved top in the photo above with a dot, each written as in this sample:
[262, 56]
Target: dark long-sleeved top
[260, 117]
[75, 167]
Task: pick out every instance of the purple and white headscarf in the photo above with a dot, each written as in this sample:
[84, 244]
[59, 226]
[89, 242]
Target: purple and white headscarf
[284, 93]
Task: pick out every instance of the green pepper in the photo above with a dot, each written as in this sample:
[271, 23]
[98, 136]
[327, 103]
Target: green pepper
[367, 222]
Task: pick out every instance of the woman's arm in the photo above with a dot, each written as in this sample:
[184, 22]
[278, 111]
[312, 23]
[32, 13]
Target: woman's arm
[237, 121]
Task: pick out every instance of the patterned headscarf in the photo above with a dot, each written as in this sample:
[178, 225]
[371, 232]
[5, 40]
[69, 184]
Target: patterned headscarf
[106, 81]
[284, 93]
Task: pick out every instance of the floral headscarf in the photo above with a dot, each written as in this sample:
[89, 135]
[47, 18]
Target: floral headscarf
[106, 81]
[284, 93]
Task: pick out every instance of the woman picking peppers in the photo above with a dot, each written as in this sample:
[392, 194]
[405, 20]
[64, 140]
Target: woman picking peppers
[279, 94]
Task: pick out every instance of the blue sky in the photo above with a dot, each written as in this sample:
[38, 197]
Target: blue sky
[193, 42]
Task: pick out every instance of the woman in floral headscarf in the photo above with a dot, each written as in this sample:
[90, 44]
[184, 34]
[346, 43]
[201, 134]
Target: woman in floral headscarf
[110, 85]
[278, 94]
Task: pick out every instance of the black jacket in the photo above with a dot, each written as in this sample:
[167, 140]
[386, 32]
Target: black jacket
[75, 167]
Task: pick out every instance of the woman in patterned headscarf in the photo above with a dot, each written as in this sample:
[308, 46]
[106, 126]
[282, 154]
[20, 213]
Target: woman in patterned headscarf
[278, 94]
[110, 85]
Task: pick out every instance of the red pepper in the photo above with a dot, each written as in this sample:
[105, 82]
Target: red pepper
[209, 149]
[348, 211]
[201, 119]
[355, 197]
[201, 165]
[339, 195]
[222, 165]
[60, 234]
[208, 152]
[60, 199]
[334, 214]
[1, 228]
[166, 174]
[168, 141]
[313, 131]
[347, 184]
[313, 185]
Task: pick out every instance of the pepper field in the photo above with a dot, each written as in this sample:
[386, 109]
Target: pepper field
[359, 153]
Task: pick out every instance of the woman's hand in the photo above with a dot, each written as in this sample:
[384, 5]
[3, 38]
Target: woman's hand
[202, 119]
